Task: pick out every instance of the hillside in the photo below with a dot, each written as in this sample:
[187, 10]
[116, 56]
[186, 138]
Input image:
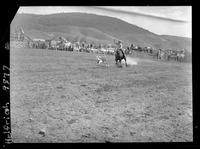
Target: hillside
[94, 28]
[185, 42]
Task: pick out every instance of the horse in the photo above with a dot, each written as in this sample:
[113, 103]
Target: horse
[172, 54]
[154, 53]
[161, 54]
[119, 55]
[180, 56]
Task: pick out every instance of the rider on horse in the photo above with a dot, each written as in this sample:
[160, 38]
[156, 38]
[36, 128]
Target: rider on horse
[119, 53]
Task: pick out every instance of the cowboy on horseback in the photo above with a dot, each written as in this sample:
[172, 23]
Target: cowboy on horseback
[119, 53]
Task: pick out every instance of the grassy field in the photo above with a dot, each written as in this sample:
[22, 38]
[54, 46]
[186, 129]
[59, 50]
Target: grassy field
[59, 96]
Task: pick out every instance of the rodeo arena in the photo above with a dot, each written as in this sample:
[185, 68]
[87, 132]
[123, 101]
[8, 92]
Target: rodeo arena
[80, 91]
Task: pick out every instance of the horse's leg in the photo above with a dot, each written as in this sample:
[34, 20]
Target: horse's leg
[119, 62]
[182, 58]
[125, 61]
[116, 61]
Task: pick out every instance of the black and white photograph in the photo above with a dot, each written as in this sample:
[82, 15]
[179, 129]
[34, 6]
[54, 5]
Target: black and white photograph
[97, 74]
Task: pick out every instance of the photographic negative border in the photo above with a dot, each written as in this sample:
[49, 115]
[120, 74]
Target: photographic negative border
[8, 14]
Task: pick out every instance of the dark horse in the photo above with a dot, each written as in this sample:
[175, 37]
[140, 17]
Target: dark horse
[119, 55]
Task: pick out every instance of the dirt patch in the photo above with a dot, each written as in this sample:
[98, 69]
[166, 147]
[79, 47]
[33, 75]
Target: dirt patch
[67, 97]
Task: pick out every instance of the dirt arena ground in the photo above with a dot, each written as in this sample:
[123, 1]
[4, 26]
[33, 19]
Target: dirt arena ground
[59, 96]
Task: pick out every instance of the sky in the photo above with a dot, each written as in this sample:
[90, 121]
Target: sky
[162, 20]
